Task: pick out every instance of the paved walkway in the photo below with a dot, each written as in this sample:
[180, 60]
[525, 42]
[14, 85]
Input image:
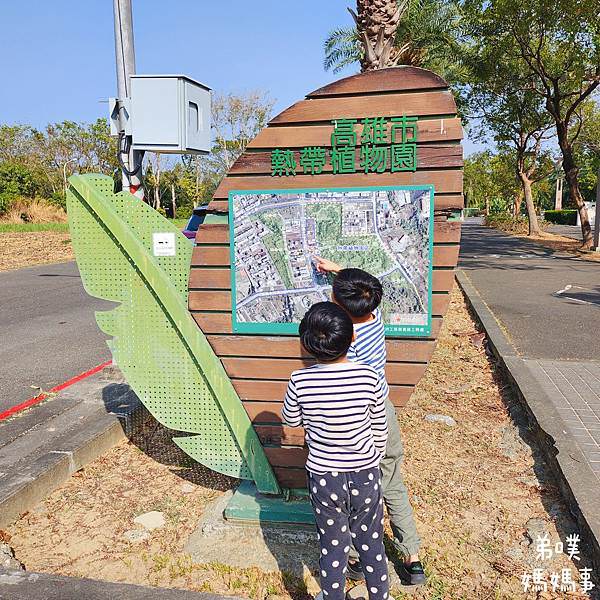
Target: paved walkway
[541, 312]
[49, 333]
[574, 389]
[548, 304]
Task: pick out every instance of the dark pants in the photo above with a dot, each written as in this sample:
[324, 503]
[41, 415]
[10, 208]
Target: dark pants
[348, 511]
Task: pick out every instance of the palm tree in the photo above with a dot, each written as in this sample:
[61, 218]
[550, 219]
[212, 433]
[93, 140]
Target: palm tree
[376, 24]
[421, 33]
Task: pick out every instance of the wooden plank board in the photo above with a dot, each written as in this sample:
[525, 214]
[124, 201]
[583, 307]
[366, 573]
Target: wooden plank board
[290, 347]
[219, 279]
[219, 256]
[428, 157]
[214, 322]
[291, 478]
[287, 457]
[269, 412]
[280, 435]
[382, 80]
[213, 233]
[444, 181]
[265, 390]
[281, 368]
[441, 202]
[203, 300]
[422, 104]
[298, 136]
[444, 232]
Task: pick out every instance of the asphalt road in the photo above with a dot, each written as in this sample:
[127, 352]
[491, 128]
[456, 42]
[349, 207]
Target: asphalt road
[48, 333]
[533, 291]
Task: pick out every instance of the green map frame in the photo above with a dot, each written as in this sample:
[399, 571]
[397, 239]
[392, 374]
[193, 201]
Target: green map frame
[397, 331]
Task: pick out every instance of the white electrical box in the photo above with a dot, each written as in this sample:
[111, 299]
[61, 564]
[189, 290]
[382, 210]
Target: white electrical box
[169, 113]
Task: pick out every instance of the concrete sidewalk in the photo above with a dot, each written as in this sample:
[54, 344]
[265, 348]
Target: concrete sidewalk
[43, 446]
[541, 312]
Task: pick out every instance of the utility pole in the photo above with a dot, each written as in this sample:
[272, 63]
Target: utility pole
[130, 160]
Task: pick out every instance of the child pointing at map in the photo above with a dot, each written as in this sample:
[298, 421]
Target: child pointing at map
[360, 295]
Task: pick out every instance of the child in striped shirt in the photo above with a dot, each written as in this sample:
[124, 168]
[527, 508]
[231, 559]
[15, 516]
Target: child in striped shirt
[360, 295]
[341, 405]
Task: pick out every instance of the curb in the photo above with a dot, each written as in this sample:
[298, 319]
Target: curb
[563, 456]
[29, 479]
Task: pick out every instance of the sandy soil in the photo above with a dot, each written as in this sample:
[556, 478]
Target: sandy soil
[561, 243]
[477, 489]
[26, 249]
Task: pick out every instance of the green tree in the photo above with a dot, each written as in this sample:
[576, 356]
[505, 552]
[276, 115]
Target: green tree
[490, 182]
[587, 150]
[557, 45]
[514, 117]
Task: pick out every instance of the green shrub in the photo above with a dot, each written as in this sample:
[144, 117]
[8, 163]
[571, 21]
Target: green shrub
[507, 223]
[17, 180]
[6, 201]
[561, 217]
[59, 199]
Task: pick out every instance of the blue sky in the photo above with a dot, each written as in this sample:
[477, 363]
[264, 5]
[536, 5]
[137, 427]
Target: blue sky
[57, 56]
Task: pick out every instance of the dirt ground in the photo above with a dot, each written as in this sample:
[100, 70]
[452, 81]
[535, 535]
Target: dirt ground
[479, 491]
[31, 248]
[561, 243]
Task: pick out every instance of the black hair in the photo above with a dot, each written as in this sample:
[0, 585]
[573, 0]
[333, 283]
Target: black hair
[326, 331]
[357, 292]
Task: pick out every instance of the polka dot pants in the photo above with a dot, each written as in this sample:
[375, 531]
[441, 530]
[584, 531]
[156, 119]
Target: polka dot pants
[349, 510]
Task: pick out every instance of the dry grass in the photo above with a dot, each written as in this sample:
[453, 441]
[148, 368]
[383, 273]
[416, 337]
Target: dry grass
[561, 243]
[474, 488]
[34, 211]
[26, 249]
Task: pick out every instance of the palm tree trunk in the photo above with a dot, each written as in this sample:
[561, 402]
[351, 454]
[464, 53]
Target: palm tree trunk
[376, 23]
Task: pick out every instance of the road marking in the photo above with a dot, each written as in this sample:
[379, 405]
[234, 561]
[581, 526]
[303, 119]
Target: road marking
[571, 288]
[36, 399]
[565, 289]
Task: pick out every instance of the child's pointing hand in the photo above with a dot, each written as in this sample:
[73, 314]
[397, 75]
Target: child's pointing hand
[326, 266]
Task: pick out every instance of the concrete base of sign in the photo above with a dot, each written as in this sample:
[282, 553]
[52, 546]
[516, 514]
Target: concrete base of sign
[247, 505]
[267, 545]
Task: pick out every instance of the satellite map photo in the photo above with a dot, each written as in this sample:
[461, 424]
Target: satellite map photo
[276, 235]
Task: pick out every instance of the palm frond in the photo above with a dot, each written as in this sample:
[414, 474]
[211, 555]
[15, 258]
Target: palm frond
[342, 48]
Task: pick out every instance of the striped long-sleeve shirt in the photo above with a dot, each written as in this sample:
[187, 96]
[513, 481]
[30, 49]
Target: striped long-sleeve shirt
[342, 408]
[369, 346]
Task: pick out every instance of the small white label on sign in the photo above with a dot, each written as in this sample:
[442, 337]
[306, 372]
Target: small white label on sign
[164, 244]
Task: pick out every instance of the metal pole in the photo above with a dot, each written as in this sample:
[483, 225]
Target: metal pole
[597, 216]
[125, 61]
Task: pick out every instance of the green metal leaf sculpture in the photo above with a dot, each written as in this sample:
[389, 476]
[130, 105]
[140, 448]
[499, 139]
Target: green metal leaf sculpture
[163, 354]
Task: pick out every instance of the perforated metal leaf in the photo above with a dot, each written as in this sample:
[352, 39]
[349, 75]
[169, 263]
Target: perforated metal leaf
[161, 351]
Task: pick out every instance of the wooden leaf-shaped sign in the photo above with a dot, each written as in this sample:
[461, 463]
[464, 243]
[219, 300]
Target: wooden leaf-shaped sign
[373, 133]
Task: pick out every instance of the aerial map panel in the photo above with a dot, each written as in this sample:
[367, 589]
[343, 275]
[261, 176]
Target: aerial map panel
[387, 231]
